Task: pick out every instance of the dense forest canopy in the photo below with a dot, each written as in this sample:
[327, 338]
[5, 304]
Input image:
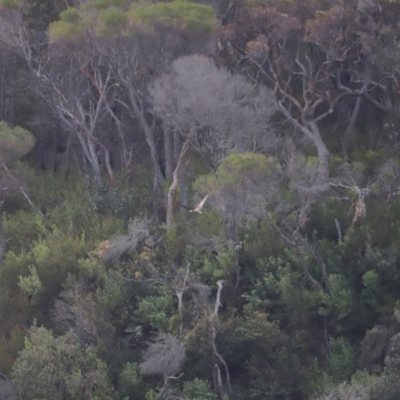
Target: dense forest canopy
[199, 200]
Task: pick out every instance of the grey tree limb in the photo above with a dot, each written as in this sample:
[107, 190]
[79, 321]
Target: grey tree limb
[171, 199]
[213, 334]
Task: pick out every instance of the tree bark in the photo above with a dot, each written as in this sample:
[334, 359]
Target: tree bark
[350, 127]
[213, 335]
[148, 133]
[323, 152]
[22, 190]
[181, 175]
[171, 200]
[168, 151]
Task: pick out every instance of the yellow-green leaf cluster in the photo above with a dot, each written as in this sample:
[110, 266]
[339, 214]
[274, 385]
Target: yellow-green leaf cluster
[71, 27]
[14, 142]
[117, 18]
[112, 22]
[12, 4]
[106, 4]
[181, 14]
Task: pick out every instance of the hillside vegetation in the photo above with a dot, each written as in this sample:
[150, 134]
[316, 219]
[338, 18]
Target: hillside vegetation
[199, 200]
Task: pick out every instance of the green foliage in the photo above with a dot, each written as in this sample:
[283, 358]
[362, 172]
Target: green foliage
[9, 347]
[130, 382]
[359, 387]
[242, 187]
[31, 284]
[112, 22]
[44, 251]
[342, 360]
[112, 18]
[209, 223]
[57, 255]
[198, 390]
[181, 14]
[151, 395]
[239, 169]
[11, 4]
[105, 4]
[107, 199]
[388, 385]
[14, 142]
[155, 311]
[112, 293]
[273, 324]
[339, 300]
[58, 368]
[215, 268]
[70, 15]
[176, 239]
[65, 31]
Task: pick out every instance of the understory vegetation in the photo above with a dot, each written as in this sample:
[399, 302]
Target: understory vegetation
[199, 200]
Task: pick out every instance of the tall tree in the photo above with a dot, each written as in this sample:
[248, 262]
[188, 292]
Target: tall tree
[134, 61]
[314, 56]
[14, 144]
[216, 111]
[58, 368]
[212, 111]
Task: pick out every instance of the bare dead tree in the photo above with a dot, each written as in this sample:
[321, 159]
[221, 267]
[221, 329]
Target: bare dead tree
[179, 290]
[350, 178]
[164, 356]
[76, 311]
[73, 83]
[78, 90]
[217, 111]
[138, 233]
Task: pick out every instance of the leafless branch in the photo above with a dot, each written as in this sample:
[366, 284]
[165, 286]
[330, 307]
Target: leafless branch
[164, 356]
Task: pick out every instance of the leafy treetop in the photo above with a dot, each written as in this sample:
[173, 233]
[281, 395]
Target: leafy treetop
[14, 142]
[117, 18]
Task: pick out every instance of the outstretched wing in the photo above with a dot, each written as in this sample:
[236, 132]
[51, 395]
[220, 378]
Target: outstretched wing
[201, 205]
[187, 208]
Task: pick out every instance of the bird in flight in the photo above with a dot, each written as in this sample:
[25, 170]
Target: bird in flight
[198, 209]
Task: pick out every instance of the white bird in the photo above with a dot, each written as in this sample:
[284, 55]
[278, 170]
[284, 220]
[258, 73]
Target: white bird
[198, 209]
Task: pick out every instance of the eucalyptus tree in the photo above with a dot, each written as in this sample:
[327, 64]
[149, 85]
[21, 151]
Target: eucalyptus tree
[326, 62]
[248, 189]
[94, 65]
[14, 144]
[216, 111]
[213, 112]
[58, 368]
[69, 78]
[162, 32]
